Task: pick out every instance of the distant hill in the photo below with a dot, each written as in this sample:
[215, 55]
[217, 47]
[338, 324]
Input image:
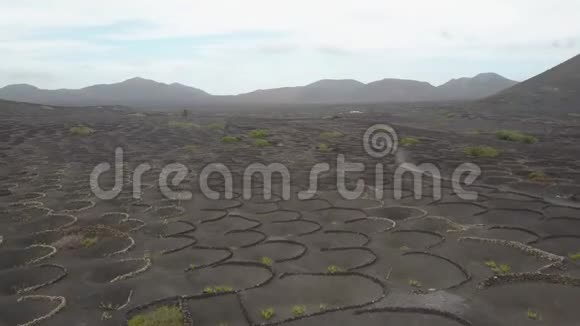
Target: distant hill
[555, 89]
[139, 92]
[385, 90]
[135, 92]
[480, 86]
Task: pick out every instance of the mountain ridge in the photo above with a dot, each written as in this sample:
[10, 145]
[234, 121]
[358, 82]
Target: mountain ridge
[142, 92]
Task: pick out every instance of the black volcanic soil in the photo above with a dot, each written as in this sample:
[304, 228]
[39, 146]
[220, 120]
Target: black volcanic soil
[70, 258]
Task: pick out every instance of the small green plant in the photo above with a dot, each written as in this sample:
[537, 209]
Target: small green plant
[409, 141]
[88, 242]
[262, 143]
[322, 306]
[333, 269]
[298, 310]
[259, 133]
[415, 283]
[267, 261]
[216, 126]
[181, 124]
[330, 135]
[217, 289]
[324, 148]
[575, 257]
[534, 315]
[404, 248]
[230, 139]
[499, 269]
[106, 315]
[538, 176]
[81, 131]
[268, 313]
[192, 266]
[516, 136]
[481, 151]
[166, 316]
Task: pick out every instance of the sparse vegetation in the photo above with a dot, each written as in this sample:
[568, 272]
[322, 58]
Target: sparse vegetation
[106, 315]
[267, 261]
[499, 269]
[539, 176]
[181, 124]
[268, 313]
[88, 242]
[81, 131]
[298, 310]
[481, 151]
[166, 316]
[216, 126]
[333, 269]
[409, 141]
[262, 143]
[515, 136]
[259, 133]
[323, 148]
[415, 284]
[534, 315]
[575, 257]
[230, 139]
[330, 135]
[218, 289]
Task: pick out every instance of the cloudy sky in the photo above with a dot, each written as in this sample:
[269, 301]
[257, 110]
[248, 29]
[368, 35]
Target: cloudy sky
[229, 47]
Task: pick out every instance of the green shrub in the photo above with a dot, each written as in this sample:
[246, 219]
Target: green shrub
[323, 148]
[415, 283]
[333, 269]
[88, 242]
[268, 313]
[218, 289]
[259, 133]
[216, 126]
[230, 139]
[409, 141]
[181, 124]
[267, 261]
[575, 257]
[515, 136]
[500, 269]
[299, 310]
[81, 131]
[534, 315]
[262, 143]
[538, 176]
[162, 316]
[481, 151]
